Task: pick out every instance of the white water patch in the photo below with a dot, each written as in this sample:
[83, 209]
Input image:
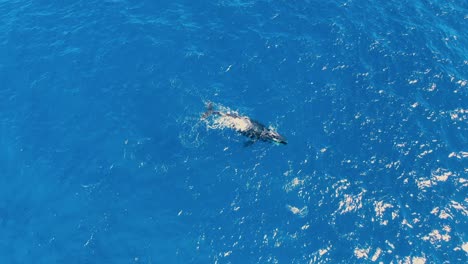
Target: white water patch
[423, 183]
[441, 175]
[438, 176]
[361, 252]
[465, 247]
[406, 223]
[238, 123]
[459, 114]
[301, 212]
[227, 119]
[462, 83]
[436, 236]
[380, 208]
[442, 213]
[365, 253]
[459, 155]
[376, 255]
[294, 183]
[414, 260]
[318, 256]
[459, 207]
[351, 203]
[341, 186]
[463, 182]
[324, 250]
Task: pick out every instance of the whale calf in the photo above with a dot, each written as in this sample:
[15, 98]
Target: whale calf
[221, 117]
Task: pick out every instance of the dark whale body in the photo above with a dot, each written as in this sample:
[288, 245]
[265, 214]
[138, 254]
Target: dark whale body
[246, 126]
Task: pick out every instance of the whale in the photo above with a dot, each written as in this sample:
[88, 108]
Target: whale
[221, 117]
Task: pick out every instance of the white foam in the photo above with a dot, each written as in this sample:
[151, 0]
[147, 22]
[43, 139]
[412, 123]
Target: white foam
[300, 212]
[457, 206]
[436, 236]
[441, 174]
[351, 203]
[465, 247]
[376, 254]
[380, 207]
[293, 184]
[419, 260]
[361, 252]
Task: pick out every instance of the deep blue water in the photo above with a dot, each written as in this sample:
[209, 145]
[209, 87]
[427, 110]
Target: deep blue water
[104, 159]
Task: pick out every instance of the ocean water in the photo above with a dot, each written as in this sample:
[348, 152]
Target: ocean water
[104, 158]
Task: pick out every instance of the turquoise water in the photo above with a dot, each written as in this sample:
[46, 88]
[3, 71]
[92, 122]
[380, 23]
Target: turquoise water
[105, 159]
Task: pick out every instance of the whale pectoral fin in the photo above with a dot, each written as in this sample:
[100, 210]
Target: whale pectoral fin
[249, 143]
[209, 110]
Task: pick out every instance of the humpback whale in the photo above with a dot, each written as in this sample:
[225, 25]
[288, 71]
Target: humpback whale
[222, 117]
